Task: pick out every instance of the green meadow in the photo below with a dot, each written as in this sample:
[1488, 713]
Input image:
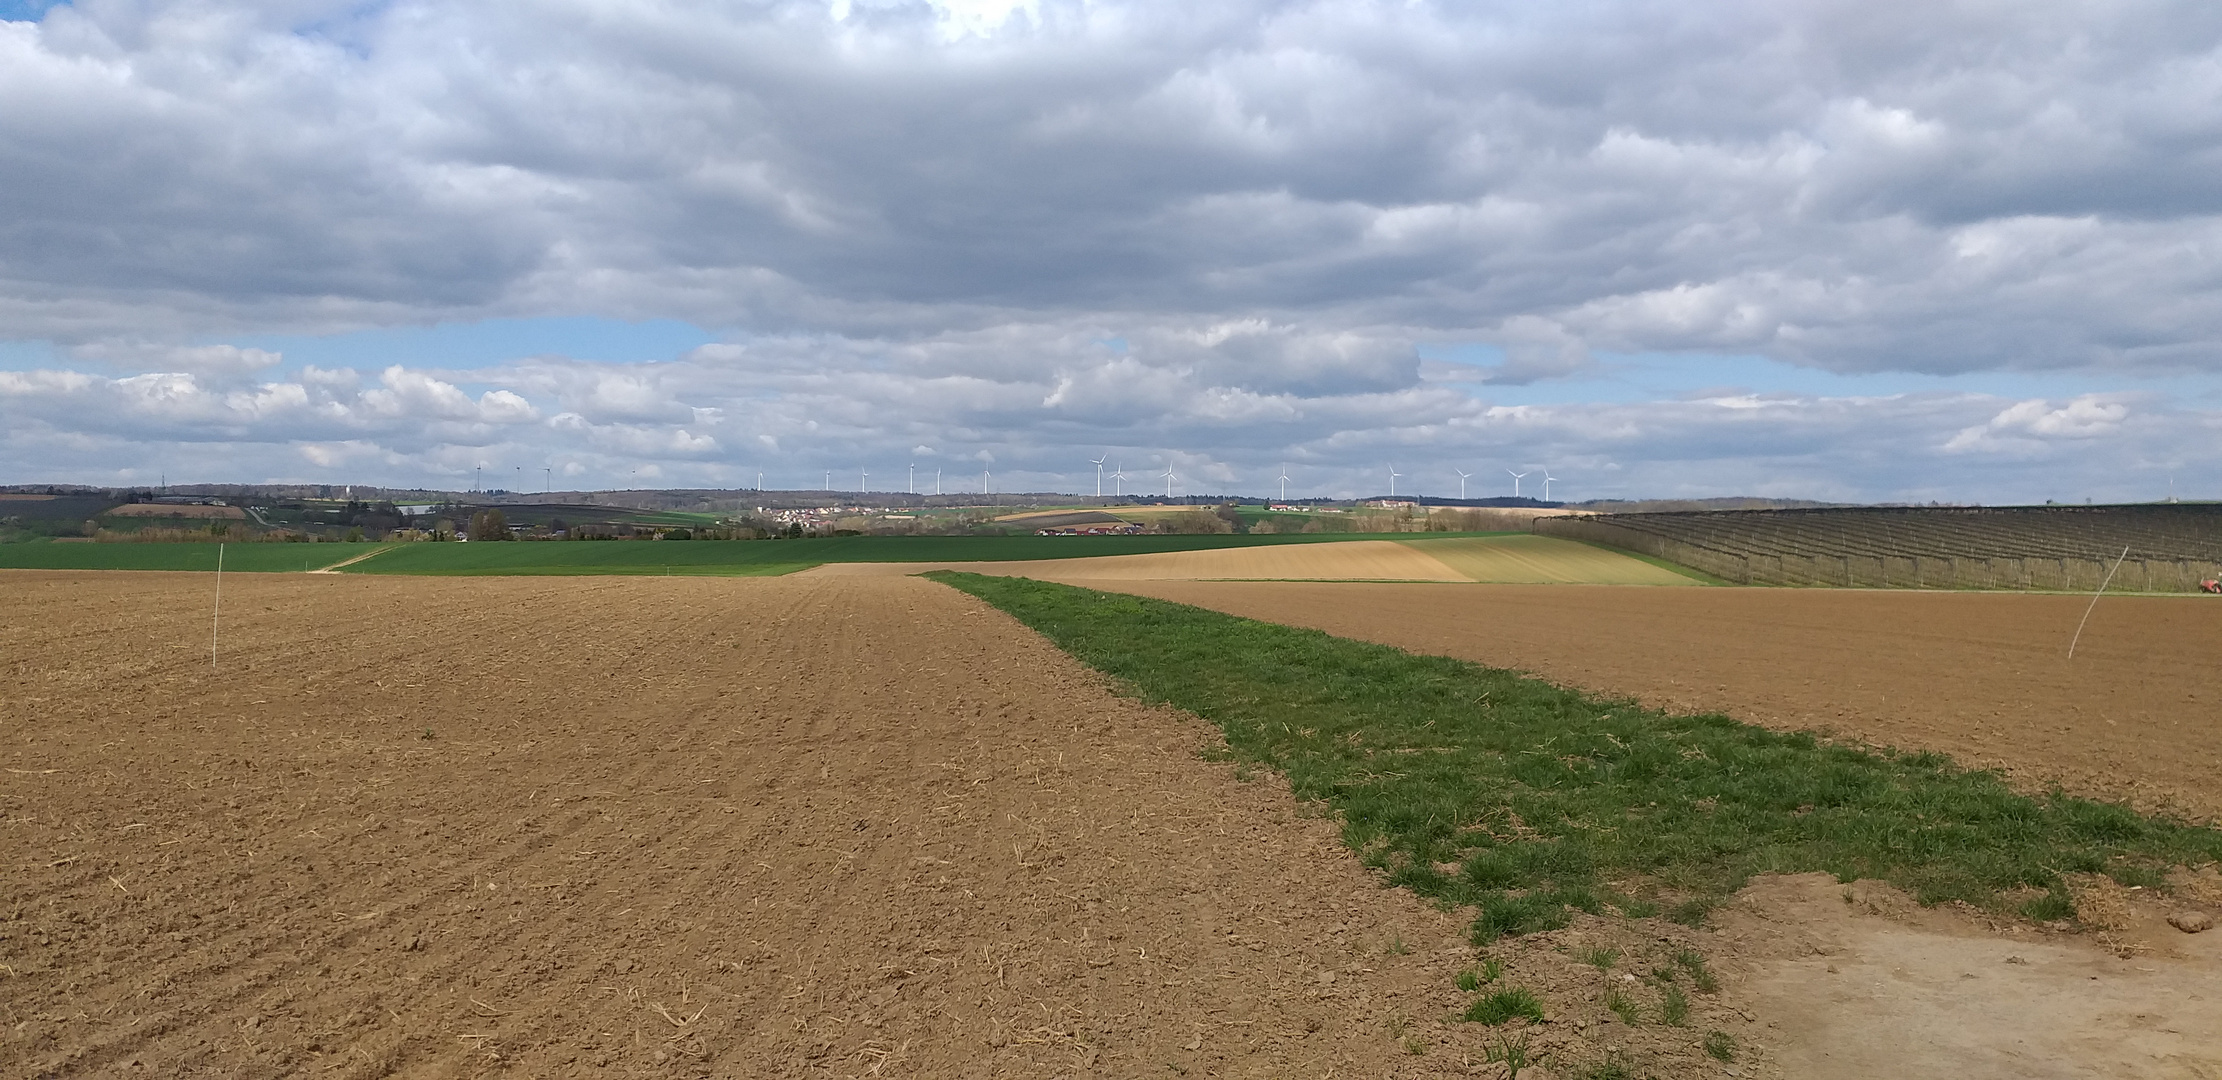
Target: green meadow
[244, 558]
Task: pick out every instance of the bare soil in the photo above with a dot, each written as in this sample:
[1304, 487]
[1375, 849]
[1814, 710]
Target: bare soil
[824, 827]
[1854, 982]
[2135, 717]
[673, 827]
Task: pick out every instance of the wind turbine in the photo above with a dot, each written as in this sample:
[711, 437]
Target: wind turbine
[1284, 481]
[912, 487]
[829, 480]
[1516, 482]
[1098, 463]
[1118, 476]
[1462, 475]
[1393, 474]
[937, 481]
[1547, 478]
[860, 475]
[1169, 478]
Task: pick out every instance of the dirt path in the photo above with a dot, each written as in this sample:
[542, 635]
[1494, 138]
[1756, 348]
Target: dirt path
[1984, 677]
[1861, 983]
[345, 563]
[653, 827]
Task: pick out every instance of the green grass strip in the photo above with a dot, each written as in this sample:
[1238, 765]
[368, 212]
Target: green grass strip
[1482, 787]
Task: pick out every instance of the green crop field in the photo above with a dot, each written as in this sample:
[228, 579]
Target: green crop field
[703, 557]
[243, 558]
[761, 557]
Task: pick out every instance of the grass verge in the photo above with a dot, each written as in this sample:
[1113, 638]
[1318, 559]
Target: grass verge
[1481, 787]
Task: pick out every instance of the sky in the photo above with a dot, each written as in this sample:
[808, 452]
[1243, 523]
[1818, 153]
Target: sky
[1957, 250]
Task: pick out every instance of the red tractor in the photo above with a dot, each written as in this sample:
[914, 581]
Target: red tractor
[2210, 586]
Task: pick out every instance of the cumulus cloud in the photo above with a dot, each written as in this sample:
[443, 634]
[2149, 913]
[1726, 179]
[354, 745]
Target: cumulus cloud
[2089, 416]
[206, 361]
[1000, 227]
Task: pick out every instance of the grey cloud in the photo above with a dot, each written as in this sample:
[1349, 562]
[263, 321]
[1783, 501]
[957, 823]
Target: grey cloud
[918, 230]
[205, 361]
[792, 422]
[1408, 169]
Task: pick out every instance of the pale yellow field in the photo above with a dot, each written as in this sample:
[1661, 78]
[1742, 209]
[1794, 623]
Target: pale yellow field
[1543, 560]
[1532, 560]
[1357, 560]
[232, 513]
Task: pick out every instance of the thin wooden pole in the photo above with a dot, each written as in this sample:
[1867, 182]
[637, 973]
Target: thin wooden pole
[2095, 602]
[216, 619]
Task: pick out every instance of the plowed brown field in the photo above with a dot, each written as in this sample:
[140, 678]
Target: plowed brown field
[825, 827]
[657, 827]
[2136, 716]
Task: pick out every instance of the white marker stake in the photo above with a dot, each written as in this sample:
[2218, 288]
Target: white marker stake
[2095, 602]
[215, 619]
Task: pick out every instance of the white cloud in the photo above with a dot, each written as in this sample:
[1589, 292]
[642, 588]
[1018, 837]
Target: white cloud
[924, 226]
[206, 361]
[2089, 416]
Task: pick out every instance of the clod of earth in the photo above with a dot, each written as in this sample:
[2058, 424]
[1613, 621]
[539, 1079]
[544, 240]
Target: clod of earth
[2191, 922]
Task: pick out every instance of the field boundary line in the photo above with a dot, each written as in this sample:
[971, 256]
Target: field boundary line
[347, 562]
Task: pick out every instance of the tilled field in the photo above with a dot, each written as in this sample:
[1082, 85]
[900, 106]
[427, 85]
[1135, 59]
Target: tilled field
[663, 827]
[2136, 716]
[870, 827]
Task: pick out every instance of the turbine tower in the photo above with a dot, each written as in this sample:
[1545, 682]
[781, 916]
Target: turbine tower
[1393, 474]
[1098, 463]
[937, 481]
[1516, 482]
[1462, 475]
[1118, 476]
[1547, 478]
[1169, 478]
[860, 475]
[912, 487]
[1284, 481]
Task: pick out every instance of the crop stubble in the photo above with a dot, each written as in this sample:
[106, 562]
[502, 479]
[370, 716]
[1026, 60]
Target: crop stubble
[662, 827]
